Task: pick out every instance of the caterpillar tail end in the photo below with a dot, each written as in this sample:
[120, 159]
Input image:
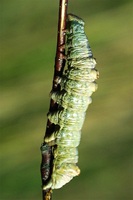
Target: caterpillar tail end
[59, 179]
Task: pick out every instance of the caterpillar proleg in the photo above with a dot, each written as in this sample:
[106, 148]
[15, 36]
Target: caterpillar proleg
[77, 85]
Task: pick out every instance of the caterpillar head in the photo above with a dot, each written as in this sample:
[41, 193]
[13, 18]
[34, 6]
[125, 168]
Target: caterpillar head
[74, 24]
[74, 18]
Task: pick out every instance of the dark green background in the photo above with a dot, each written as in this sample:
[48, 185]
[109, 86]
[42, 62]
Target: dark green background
[28, 43]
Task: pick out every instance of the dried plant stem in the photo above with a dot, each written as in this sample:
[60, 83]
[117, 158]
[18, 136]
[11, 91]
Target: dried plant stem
[58, 70]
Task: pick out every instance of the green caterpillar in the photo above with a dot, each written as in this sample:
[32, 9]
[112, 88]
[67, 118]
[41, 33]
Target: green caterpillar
[77, 86]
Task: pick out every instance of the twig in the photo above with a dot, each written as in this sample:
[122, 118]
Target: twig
[47, 157]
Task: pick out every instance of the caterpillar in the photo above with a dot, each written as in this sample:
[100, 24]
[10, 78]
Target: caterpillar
[77, 85]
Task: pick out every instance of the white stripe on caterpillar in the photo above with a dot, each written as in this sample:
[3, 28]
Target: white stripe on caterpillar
[77, 85]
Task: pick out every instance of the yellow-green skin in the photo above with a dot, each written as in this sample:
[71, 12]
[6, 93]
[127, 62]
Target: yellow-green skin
[73, 101]
[77, 85]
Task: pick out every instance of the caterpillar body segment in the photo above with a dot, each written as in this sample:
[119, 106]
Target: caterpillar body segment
[65, 138]
[73, 101]
[89, 75]
[82, 63]
[61, 158]
[67, 118]
[74, 85]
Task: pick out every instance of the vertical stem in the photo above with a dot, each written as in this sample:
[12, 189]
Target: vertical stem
[61, 36]
[60, 50]
[47, 157]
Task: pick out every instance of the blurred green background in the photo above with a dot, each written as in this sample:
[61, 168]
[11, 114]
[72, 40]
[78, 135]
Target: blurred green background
[28, 44]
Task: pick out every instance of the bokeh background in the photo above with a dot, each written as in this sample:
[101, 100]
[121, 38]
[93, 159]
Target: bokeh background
[28, 44]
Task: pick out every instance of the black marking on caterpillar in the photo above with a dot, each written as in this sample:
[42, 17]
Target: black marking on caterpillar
[77, 85]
